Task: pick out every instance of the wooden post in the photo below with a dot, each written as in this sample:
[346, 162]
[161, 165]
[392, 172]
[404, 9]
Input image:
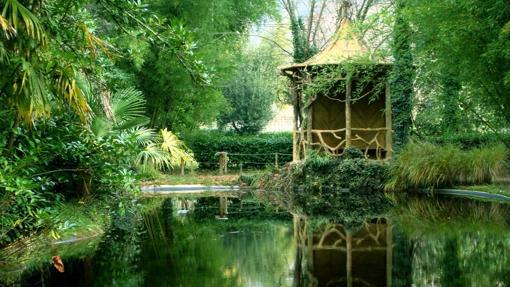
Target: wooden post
[348, 128]
[240, 169]
[295, 151]
[309, 127]
[182, 166]
[299, 250]
[309, 241]
[349, 259]
[276, 160]
[223, 161]
[389, 252]
[295, 139]
[223, 207]
[389, 124]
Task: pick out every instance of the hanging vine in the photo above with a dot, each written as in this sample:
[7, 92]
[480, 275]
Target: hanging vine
[402, 78]
[368, 80]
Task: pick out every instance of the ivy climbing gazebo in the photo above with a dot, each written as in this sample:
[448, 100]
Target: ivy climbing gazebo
[341, 98]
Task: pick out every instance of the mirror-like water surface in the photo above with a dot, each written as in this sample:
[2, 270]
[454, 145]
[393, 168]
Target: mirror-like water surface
[232, 242]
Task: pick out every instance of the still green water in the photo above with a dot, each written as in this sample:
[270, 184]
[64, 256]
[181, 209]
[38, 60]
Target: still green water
[417, 242]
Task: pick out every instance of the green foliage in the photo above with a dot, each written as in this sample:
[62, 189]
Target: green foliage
[248, 207]
[302, 49]
[424, 165]
[470, 140]
[182, 105]
[461, 54]
[60, 162]
[402, 77]
[369, 79]
[175, 99]
[345, 189]
[250, 93]
[256, 151]
[80, 61]
[165, 151]
[125, 109]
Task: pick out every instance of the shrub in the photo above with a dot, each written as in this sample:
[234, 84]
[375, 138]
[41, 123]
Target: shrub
[470, 140]
[256, 151]
[347, 189]
[57, 163]
[425, 165]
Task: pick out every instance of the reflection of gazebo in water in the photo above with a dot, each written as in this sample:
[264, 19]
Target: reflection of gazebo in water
[351, 112]
[338, 257]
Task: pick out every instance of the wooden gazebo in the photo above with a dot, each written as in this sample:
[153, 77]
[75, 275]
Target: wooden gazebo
[335, 256]
[338, 118]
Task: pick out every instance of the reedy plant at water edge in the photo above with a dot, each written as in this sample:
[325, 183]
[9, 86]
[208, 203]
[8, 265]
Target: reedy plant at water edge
[425, 165]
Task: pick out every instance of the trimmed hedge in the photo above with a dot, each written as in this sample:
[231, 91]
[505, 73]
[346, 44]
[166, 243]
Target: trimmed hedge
[253, 151]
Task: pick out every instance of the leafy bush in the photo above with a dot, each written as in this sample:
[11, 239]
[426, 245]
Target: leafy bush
[348, 189]
[60, 162]
[257, 151]
[470, 140]
[250, 93]
[425, 165]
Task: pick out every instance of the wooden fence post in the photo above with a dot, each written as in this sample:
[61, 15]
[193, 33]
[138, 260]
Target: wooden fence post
[223, 207]
[276, 160]
[182, 166]
[223, 161]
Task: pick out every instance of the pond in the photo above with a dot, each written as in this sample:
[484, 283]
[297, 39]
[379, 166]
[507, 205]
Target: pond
[227, 241]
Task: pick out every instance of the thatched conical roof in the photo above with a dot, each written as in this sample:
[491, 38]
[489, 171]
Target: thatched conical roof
[343, 46]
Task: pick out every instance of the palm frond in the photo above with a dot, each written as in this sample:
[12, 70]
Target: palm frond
[144, 136]
[21, 18]
[128, 108]
[67, 88]
[93, 42]
[9, 30]
[100, 126]
[152, 156]
[177, 149]
[30, 94]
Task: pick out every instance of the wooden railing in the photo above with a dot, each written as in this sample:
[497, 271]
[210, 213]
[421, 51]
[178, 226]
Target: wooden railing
[316, 138]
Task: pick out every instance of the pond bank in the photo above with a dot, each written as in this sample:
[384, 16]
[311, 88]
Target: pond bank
[73, 228]
[471, 194]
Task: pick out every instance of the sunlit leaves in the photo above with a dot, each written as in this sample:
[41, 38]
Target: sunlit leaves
[178, 151]
[92, 43]
[8, 29]
[20, 18]
[66, 86]
[164, 151]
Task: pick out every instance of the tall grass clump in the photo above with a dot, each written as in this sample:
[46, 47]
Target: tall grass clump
[425, 165]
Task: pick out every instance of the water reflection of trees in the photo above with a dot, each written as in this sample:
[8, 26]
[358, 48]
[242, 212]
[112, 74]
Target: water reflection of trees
[213, 253]
[456, 242]
[421, 242]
